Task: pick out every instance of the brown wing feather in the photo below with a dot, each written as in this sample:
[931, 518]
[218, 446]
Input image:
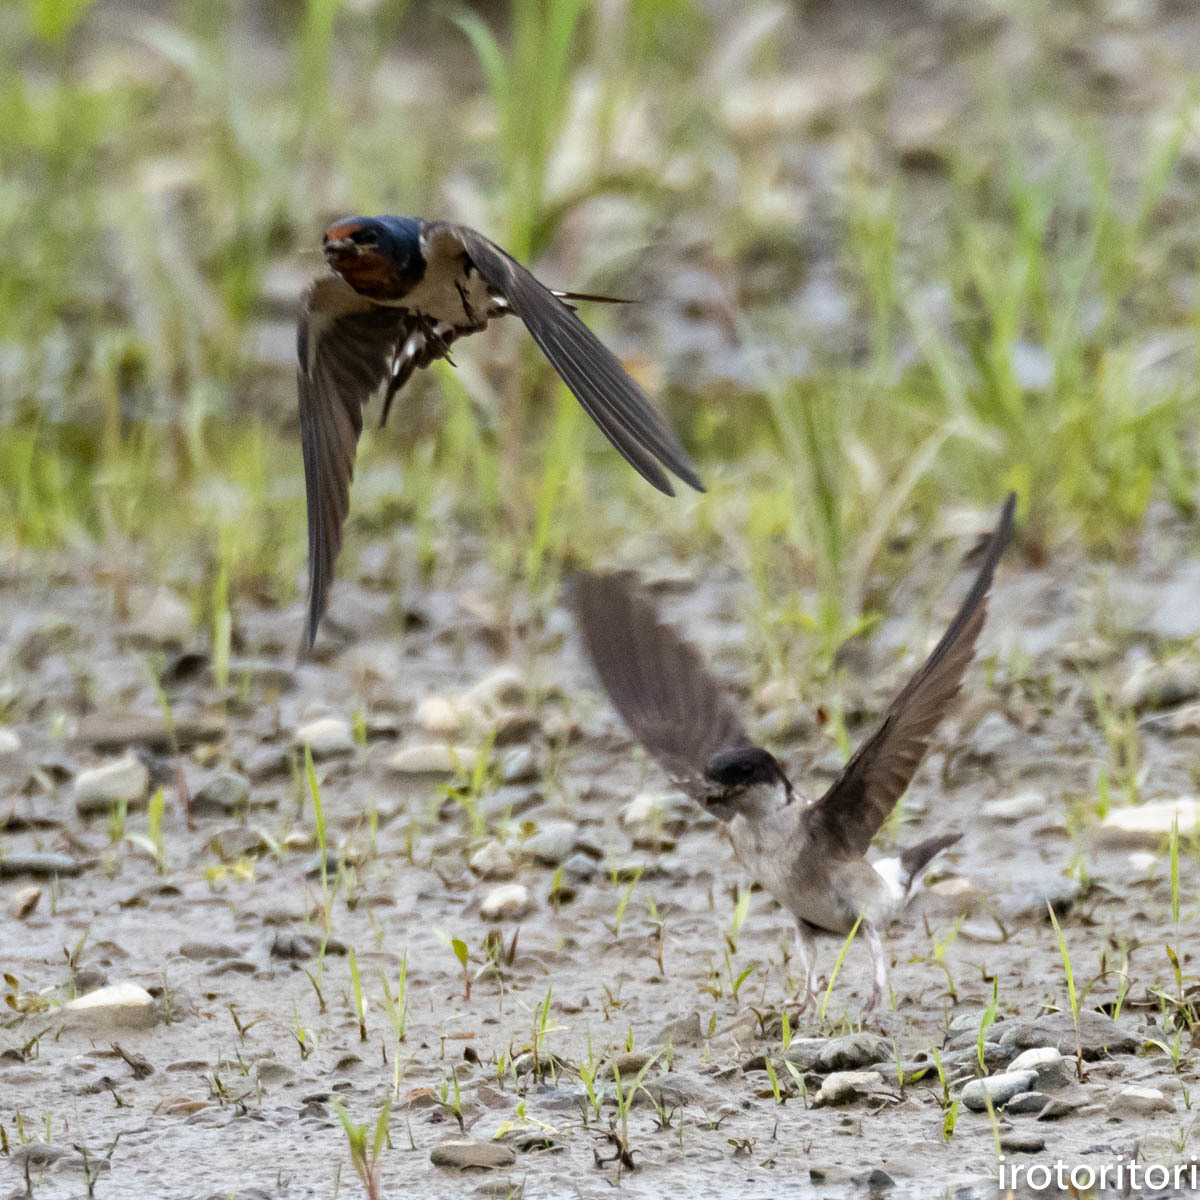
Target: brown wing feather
[852, 810]
[344, 345]
[610, 397]
[656, 681]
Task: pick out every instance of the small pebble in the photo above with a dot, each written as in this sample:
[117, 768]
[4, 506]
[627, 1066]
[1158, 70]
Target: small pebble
[221, 794]
[37, 863]
[10, 741]
[97, 789]
[1150, 824]
[26, 902]
[165, 619]
[326, 737]
[1022, 1143]
[844, 1087]
[579, 867]
[552, 843]
[431, 759]
[439, 716]
[1010, 809]
[519, 766]
[998, 1088]
[1140, 1102]
[853, 1051]
[464, 1154]
[509, 902]
[1052, 1068]
[1027, 1102]
[493, 861]
[115, 1007]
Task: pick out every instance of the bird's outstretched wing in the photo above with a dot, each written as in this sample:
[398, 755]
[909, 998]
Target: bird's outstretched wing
[850, 813]
[610, 397]
[345, 345]
[656, 681]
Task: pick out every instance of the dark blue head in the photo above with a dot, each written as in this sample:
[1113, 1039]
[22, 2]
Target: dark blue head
[378, 256]
[744, 767]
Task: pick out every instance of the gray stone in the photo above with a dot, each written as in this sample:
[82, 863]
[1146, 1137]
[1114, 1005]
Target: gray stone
[853, 1051]
[509, 902]
[1160, 684]
[579, 867]
[464, 1154]
[208, 951]
[221, 794]
[683, 1031]
[552, 843]
[1022, 1143]
[1027, 1102]
[1140, 1102]
[994, 736]
[264, 761]
[805, 1053]
[1098, 1035]
[42, 864]
[997, 1088]
[1063, 1104]
[164, 619]
[680, 1089]
[1010, 809]
[125, 778]
[844, 1087]
[511, 800]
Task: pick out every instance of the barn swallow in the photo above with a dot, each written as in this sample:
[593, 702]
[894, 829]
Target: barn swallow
[399, 292]
[809, 857]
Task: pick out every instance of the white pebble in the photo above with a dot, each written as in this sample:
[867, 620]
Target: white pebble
[326, 737]
[510, 902]
[117, 1006]
[1147, 824]
[429, 758]
[125, 778]
[437, 715]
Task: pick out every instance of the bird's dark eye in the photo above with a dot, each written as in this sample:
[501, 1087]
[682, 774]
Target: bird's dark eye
[365, 237]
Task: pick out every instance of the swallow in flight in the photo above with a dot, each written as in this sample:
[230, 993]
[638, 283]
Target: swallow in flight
[809, 857]
[398, 293]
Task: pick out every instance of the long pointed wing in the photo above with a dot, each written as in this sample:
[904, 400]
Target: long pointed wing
[610, 397]
[852, 810]
[656, 681]
[344, 345]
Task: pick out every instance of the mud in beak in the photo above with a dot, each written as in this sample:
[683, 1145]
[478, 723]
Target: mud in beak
[340, 249]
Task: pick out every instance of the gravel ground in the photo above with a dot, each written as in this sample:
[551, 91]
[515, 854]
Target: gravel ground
[215, 1069]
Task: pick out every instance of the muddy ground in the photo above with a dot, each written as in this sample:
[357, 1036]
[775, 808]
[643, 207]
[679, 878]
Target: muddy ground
[218, 1072]
[225, 1085]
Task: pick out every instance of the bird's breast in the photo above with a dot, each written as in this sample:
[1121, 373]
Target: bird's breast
[458, 298]
[373, 275]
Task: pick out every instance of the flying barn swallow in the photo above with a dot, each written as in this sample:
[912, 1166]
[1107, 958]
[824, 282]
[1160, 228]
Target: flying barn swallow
[400, 291]
[809, 857]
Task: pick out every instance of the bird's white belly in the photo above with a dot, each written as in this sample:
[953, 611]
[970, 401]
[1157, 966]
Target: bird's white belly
[437, 296]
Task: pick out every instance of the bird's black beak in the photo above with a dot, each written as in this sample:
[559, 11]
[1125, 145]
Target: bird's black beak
[340, 249]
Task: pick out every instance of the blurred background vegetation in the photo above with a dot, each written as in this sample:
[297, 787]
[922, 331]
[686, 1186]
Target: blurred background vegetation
[894, 259]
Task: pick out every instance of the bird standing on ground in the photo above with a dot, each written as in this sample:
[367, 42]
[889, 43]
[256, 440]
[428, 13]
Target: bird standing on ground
[809, 857]
[399, 292]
